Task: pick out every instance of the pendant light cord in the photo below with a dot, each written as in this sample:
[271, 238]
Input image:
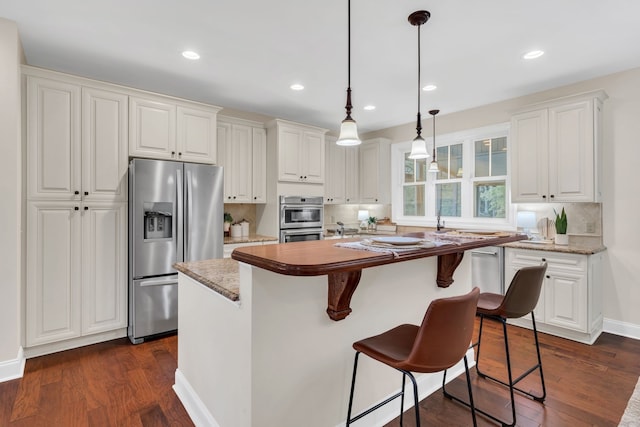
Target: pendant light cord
[348, 107]
[419, 120]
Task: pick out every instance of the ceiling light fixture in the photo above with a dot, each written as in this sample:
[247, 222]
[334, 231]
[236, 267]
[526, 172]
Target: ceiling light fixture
[429, 88]
[296, 86]
[418, 146]
[348, 128]
[433, 167]
[189, 54]
[533, 54]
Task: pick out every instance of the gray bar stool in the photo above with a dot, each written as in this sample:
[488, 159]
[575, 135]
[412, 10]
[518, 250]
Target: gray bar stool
[520, 299]
[436, 345]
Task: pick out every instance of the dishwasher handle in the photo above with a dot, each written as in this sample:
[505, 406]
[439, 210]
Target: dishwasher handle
[479, 252]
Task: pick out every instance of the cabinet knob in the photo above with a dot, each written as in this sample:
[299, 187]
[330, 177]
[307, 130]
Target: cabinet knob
[86, 208]
[552, 196]
[173, 153]
[75, 208]
[544, 196]
[544, 260]
[300, 176]
[86, 193]
[548, 277]
[305, 177]
[255, 197]
[234, 197]
[179, 154]
[76, 192]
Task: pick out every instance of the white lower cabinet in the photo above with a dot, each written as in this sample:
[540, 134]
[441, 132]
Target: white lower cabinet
[76, 270]
[570, 304]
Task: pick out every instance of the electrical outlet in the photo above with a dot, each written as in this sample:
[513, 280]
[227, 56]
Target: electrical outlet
[590, 227]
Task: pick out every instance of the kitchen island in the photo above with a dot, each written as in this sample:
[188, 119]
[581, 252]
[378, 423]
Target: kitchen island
[278, 356]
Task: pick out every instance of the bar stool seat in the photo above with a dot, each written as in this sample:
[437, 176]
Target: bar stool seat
[436, 345]
[520, 299]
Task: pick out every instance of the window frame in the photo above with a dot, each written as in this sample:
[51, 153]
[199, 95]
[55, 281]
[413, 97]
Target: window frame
[467, 218]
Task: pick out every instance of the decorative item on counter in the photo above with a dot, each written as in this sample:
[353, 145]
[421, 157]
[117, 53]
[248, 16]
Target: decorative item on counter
[228, 219]
[561, 228]
[244, 225]
[363, 216]
[236, 230]
[372, 222]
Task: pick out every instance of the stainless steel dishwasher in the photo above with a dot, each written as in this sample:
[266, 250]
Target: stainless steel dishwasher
[487, 271]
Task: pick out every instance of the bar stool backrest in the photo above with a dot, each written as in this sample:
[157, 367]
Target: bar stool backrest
[523, 293]
[444, 335]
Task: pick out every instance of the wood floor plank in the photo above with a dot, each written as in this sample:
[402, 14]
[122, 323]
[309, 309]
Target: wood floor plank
[116, 384]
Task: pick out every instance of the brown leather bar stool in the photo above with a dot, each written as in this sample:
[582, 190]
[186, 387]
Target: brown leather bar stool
[520, 299]
[436, 345]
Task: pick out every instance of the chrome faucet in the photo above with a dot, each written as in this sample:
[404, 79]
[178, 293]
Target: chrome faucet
[438, 226]
[341, 229]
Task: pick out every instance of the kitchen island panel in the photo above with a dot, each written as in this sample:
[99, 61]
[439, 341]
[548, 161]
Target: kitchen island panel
[278, 360]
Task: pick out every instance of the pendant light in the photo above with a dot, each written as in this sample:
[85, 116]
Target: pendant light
[433, 167]
[419, 146]
[348, 128]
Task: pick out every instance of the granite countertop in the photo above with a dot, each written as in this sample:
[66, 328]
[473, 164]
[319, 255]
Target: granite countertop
[251, 238]
[220, 275]
[583, 249]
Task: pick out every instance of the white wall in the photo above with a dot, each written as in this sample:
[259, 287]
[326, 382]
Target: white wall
[11, 217]
[621, 200]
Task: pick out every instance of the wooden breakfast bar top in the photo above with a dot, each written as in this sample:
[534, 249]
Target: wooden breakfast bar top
[344, 265]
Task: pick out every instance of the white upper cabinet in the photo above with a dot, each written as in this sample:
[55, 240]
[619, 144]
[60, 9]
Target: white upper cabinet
[375, 183]
[104, 145]
[242, 153]
[341, 176]
[197, 134]
[162, 128]
[334, 186]
[53, 139]
[76, 142]
[301, 152]
[555, 150]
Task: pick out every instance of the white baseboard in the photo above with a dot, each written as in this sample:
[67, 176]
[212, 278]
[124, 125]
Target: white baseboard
[427, 385]
[12, 369]
[54, 347]
[624, 329]
[196, 409]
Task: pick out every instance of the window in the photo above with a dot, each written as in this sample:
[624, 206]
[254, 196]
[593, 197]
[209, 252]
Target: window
[470, 187]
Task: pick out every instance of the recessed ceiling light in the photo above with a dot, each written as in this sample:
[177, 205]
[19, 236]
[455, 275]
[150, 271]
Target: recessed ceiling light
[430, 87]
[296, 86]
[189, 54]
[533, 54]
[369, 107]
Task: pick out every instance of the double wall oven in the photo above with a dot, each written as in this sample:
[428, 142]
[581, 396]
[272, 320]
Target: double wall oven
[301, 218]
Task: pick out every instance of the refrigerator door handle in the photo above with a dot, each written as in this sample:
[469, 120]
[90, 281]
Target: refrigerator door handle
[189, 216]
[179, 210]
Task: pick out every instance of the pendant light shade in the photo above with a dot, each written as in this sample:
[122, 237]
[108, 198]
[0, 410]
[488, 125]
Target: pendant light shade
[433, 167]
[348, 128]
[419, 146]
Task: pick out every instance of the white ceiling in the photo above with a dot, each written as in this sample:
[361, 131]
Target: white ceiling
[253, 50]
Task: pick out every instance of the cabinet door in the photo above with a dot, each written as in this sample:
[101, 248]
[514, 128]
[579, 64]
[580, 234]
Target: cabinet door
[196, 138]
[53, 272]
[289, 154]
[238, 161]
[104, 267]
[104, 145]
[369, 177]
[259, 163]
[152, 128]
[351, 175]
[334, 186]
[312, 157]
[53, 139]
[571, 152]
[529, 156]
[566, 300]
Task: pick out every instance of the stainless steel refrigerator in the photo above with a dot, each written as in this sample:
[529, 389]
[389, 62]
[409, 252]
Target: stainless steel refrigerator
[175, 214]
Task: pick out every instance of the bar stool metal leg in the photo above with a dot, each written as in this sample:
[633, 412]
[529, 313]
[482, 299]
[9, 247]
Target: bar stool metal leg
[470, 405]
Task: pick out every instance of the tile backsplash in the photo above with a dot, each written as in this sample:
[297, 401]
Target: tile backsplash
[240, 211]
[348, 214]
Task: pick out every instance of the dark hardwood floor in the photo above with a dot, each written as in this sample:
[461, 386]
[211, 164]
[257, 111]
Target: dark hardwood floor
[119, 384]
